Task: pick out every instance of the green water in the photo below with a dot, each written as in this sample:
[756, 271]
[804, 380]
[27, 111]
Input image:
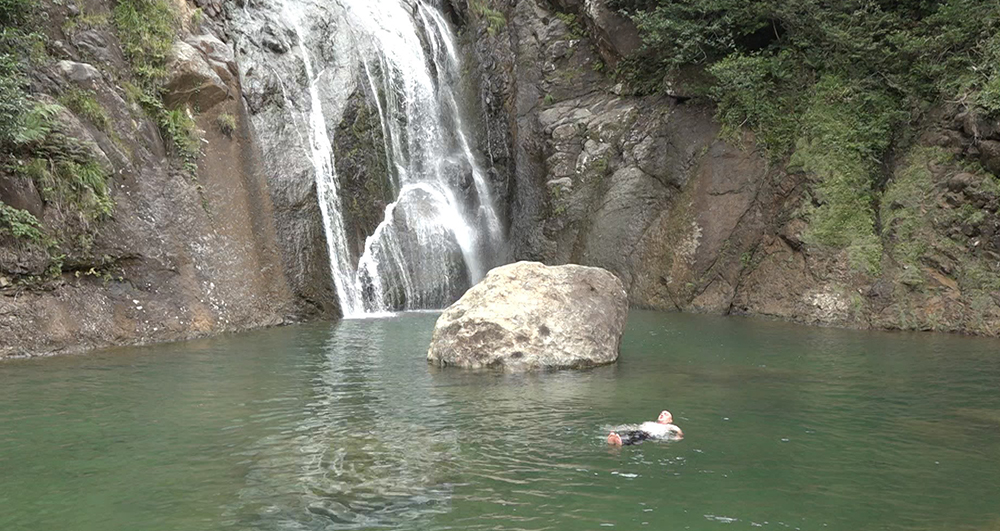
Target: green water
[346, 427]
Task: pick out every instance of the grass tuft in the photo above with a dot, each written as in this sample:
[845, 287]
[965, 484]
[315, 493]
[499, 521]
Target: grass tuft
[227, 124]
[84, 103]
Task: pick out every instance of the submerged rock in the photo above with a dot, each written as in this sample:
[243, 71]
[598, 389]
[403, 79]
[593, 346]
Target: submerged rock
[527, 316]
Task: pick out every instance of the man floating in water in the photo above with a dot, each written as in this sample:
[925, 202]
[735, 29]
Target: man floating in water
[661, 430]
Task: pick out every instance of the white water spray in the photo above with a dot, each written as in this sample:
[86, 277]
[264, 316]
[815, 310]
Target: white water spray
[436, 236]
[327, 185]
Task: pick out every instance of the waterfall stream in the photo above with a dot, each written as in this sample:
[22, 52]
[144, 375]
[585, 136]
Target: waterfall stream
[441, 231]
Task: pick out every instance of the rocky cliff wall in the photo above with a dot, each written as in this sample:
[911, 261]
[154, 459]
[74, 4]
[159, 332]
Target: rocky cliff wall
[216, 236]
[692, 221]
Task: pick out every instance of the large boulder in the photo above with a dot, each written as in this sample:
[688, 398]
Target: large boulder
[527, 316]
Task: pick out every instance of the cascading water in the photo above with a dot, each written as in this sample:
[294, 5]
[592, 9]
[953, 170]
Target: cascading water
[441, 230]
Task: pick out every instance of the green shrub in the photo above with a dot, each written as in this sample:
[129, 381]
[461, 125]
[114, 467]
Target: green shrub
[575, 29]
[19, 223]
[80, 182]
[18, 45]
[17, 13]
[845, 130]
[750, 93]
[904, 203]
[147, 29]
[18, 36]
[921, 52]
[33, 145]
[36, 124]
[833, 85]
[85, 20]
[197, 17]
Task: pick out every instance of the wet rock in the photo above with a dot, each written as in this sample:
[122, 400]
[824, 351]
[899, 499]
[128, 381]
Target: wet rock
[192, 79]
[434, 271]
[528, 316]
[276, 90]
[275, 40]
[275, 45]
[360, 159]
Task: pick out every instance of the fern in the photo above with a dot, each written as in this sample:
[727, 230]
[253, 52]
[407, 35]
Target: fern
[495, 20]
[36, 124]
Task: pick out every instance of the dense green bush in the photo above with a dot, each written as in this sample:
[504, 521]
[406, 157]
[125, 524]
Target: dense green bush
[16, 13]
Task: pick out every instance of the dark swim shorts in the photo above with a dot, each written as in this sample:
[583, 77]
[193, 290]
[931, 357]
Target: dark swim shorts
[634, 437]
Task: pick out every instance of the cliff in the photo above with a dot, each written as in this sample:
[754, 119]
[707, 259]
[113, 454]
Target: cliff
[159, 162]
[694, 218]
[181, 230]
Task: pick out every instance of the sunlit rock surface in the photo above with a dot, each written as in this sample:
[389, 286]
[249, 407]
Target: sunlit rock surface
[527, 316]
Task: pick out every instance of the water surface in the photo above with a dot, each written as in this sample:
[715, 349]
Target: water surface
[345, 426]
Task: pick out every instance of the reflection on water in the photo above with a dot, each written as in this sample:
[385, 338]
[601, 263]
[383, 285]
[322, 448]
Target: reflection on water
[357, 457]
[346, 427]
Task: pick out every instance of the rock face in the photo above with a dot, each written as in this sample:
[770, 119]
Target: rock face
[691, 220]
[527, 316]
[185, 253]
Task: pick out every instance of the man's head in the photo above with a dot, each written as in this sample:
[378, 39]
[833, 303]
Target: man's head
[665, 417]
[614, 439]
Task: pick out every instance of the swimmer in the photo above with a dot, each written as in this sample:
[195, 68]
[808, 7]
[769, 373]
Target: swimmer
[662, 429]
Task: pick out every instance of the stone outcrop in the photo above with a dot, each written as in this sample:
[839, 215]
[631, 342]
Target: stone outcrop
[527, 316]
[192, 80]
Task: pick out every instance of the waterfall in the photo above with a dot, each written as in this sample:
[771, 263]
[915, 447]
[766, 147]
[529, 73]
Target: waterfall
[327, 187]
[441, 231]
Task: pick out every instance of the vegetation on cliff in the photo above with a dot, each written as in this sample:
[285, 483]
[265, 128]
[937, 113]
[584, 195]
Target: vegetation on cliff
[836, 87]
[35, 144]
[47, 154]
[147, 29]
